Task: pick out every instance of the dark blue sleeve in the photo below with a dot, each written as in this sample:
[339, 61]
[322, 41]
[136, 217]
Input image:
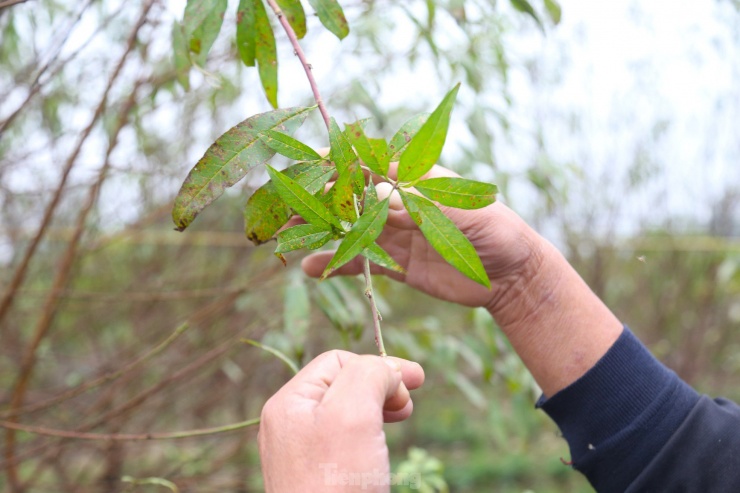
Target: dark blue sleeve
[633, 425]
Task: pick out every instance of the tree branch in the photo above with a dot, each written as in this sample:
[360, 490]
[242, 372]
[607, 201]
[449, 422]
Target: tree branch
[77, 435]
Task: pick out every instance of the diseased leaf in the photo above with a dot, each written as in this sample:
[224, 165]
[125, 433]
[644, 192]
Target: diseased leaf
[266, 53]
[364, 232]
[445, 237]
[229, 159]
[526, 7]
[341, 150]
[343, 198]
[202, 22]
[401, 140]
[371, 195]
[373, 152]
[181, 58]
[344, 157]
[554, 11]
[331, 16]
[301, 201]
[289, 147]
[266, 212]
[301, 236]
[374, 253]
[458, 192]
[293, 11]
[246, 41]
[426, 146]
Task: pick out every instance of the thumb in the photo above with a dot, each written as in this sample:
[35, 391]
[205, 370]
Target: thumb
[362, 388]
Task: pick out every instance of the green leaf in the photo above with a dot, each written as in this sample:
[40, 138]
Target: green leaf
[341, 150]
[331, 16]
[554, 11]
[344, 157]
[426, 146]
[301, 201]
[266, 53]
[458, 192]
[364, 232]
[289, 147]
[301, 236]
[373, 152]
[293, 11]
[266, 212]
[229, 159]
[202, 22]
[401, 140]
[526, 7]
[374, 253]
[371, 195]
[246, 41]
[445, 237]
[343, 198]
[181, 57]
[347, 313]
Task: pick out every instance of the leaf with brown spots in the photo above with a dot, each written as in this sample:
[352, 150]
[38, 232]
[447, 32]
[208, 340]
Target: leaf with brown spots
[229, 159]
[343, 198]
[373, 152]
[202, 22]
[293, 11]
[364, 232]
[265, 212]
[302, 236]
[331, 16]
[458, 192]
[405, 133]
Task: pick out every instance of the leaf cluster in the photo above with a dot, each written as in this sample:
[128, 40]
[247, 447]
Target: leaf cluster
[335, 195]
[193, 38]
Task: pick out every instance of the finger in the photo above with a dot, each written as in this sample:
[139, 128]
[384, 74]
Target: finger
[397, 401]
[401, 415]
[412, 373]
[368, 380]
[437, 171]
[316, 377]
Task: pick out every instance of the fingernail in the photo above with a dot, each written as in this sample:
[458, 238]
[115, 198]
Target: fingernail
[392, 363]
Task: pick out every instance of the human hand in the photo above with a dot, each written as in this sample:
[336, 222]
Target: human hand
[328, 420]
[508, 248]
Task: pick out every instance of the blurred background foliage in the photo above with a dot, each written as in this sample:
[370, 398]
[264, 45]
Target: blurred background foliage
[113, 323]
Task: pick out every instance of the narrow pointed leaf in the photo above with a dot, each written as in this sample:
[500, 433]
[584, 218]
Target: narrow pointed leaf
[341, 150]
[374, 253]
[364, 232]
[202, 22]
[373, 152]
[446, 238]
[301, 201]
[289, 147]
[458, 192]
[229, 159]
[266, 212]
[301, 236]
[246, 41]
[181, 58]
[343, 198]
[266, 53]
[426, 146]
[401, 140]
[554, 11]
[331, 16]
[293, 11]
[371, 195]
[526, 7]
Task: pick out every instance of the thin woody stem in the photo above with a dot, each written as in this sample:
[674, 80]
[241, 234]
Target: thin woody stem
[373, 308]
[327, 120]
[302, 57]
[77, 435]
